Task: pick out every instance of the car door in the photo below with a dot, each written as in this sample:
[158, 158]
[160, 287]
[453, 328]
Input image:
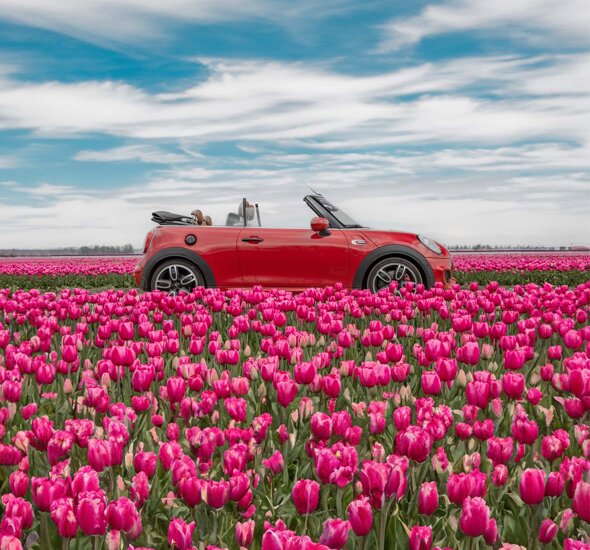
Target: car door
[292, 258]
[217, 247]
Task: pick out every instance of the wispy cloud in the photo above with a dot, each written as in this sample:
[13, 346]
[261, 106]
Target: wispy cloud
[540, 21]
[9, 161]
[142, 153]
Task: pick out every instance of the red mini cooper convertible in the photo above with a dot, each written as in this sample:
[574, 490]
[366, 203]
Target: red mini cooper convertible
[182, 253]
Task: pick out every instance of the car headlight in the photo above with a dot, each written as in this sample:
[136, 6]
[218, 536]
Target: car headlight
[430, 244]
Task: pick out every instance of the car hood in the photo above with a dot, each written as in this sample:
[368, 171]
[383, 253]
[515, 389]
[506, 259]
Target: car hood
[381, 237]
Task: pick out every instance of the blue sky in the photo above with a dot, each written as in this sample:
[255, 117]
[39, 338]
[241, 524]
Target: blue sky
[463, 119]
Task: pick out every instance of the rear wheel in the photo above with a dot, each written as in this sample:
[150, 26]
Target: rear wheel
[392, 269]
[175, 276]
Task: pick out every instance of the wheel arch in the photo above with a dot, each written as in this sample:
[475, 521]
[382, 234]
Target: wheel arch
[391, 251]
[171, 253]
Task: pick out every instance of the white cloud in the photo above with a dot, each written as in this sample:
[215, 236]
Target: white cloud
[142, 153]
[537, 201]
[136, 21]
[539, 20]
[8, 162]
[46, 190]
[255, 101]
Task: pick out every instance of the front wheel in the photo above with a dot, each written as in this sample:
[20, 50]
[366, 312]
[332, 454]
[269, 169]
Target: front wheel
[392, 269]
[176, 276]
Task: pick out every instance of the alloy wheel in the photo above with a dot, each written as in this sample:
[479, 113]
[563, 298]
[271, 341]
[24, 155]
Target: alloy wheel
[175, 278]
[387, 271]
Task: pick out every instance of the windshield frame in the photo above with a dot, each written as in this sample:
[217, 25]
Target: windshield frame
[316, 203]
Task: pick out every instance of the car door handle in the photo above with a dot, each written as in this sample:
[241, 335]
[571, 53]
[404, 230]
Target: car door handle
[252, 240]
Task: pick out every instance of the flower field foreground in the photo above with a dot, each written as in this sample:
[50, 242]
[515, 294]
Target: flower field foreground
[329, 419]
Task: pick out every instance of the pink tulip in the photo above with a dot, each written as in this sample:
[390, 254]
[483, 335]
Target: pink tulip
[475, 516]
[245, 533]
[581, 503]
[547, 531]
[335, 533]
[360, 516]
[321, 426]
[63, 515]
[513, 384]
[414, 442]
[555, 484]
[491, 533]
[286, 392]
[431, 383]
[122, 515]
[532, 486]
[218, 493]
[275, 463]
[420, 538]
[428, 498]
[402, 418]
[180, 534]
[19, 483]
[304, 373]
[90, 513]
[306, 496]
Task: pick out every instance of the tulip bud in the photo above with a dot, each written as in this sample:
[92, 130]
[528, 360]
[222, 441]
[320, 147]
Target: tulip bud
[532, 486]
[245, 533]
[420, 538]
[428, 498]
[180, 535]
[581, 504]
[335, 533]
[306, 496]
[547, 531]
[475, 516]
[360, 516]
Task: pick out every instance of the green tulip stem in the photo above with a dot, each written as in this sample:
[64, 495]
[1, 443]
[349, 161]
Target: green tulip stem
[383, 524]
[45, 531]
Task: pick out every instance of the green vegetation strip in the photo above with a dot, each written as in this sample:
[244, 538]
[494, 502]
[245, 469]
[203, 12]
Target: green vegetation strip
[49, 283]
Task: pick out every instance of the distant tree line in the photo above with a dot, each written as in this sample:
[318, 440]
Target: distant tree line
[96, 250]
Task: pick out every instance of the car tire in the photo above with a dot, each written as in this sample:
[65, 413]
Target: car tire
[392, 269]
[175, 276]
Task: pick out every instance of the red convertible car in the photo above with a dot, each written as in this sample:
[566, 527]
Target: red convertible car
[182, 253]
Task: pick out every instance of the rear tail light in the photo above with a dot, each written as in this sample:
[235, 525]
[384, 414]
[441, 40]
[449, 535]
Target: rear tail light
[148, 240]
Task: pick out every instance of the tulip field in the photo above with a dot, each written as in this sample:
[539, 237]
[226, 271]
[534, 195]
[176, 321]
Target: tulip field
[115, 272]
[329, 419]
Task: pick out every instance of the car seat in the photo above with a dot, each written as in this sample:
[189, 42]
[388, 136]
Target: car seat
[233, 219]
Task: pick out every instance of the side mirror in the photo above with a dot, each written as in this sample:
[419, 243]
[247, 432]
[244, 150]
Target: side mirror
[319, 225]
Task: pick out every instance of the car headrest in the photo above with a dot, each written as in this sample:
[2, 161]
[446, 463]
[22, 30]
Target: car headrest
[250, 211]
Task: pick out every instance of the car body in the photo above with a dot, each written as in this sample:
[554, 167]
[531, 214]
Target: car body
[334, 249]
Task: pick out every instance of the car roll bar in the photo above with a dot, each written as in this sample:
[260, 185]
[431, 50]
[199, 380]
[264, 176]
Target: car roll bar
[245, 205]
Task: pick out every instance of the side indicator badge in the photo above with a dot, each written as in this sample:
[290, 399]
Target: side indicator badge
[190, 239]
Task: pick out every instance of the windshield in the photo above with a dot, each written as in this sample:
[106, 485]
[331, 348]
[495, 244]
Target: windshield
[340, 215]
